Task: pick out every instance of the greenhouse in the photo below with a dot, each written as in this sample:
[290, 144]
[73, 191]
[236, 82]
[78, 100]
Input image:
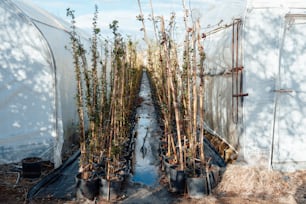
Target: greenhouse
[206, 106]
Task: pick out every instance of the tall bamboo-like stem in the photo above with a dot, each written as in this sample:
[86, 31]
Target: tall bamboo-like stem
[168, 99]
[175, 102]
[194, 95]
[186, 79]
[93, 93]
[123, 104]
[107, 110]
[174, 98]
[141, 18]
[89, 106]
[94, 60]
[162, 89]
[112, 115]
[77, 50]
[153, 20]
[119, 110]
[103, 103]
[201, 90]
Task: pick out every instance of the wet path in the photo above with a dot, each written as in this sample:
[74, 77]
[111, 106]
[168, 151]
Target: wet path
[146, 169]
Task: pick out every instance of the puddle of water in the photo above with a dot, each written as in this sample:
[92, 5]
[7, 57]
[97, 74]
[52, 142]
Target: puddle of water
[145, 168]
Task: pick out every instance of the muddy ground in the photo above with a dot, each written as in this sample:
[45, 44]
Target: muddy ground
[240, 184]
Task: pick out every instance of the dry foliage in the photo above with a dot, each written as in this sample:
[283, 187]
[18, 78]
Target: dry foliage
[259, 184]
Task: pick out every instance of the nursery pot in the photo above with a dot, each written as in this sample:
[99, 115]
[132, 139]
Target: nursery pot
[88, 188]
[197, 187]
[177, 180]
[110, 189]
[31, 167]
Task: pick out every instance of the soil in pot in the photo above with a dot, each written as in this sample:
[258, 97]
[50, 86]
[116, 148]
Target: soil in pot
[31, 167]
[87, 188]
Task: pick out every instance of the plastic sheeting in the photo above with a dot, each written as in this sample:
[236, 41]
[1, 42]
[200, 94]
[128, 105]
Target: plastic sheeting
[261, 66]
[216, 13]
[290, 112]
[273, 113]
[27, 102]
[37, 85]
[269, 130]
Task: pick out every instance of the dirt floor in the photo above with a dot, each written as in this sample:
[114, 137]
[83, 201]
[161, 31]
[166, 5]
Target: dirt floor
[240, 184]
[14, 188]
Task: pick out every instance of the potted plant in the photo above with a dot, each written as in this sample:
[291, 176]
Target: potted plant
[124, 85]
[88, 105]
[180, 93]
[105, 102]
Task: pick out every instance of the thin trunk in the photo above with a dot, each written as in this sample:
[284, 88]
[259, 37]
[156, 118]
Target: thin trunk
[202, 83]
[153, 20]
[143, 24]
[80, 103]
[187, 75]
[174, 99]
[194, 96]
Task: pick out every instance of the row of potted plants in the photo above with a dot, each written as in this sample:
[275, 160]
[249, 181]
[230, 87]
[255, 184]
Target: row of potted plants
[179, 84]
[106, 90]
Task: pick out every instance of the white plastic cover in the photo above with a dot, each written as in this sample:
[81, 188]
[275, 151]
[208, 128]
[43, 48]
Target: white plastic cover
[27, 96]
[290, 112]
[274, 59]
[262, 28]
[272, 51]
[37, 83]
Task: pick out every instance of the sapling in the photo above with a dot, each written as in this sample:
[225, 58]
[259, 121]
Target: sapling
[173, 96]
[201, 90]
[76, 51]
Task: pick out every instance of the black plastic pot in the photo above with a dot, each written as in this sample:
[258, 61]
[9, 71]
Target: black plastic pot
[177, 180]
[88, 189]
[110, 190]
[197, 187]
[31, 167]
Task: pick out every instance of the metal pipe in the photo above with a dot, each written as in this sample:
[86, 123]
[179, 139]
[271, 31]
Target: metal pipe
[233, 64]
[237, 75]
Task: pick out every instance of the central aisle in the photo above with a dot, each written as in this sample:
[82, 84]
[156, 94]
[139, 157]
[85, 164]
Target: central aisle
[146, 169]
